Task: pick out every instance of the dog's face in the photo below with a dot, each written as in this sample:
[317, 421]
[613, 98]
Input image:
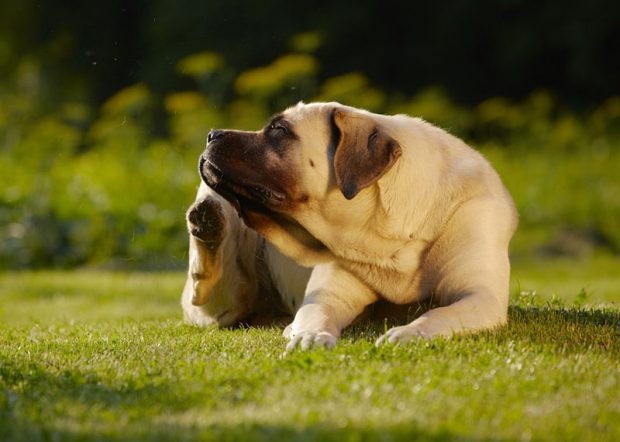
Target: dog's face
[313, 158]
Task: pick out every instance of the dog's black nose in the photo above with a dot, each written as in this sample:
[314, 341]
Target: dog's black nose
[214, 135]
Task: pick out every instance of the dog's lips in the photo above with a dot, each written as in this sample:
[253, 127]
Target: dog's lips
[239, 193]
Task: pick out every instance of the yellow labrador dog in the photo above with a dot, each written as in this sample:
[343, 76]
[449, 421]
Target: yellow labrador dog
[356, 207]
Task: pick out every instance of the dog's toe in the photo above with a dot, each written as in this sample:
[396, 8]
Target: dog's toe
[401, 334]
[287, 332]
[310, 339]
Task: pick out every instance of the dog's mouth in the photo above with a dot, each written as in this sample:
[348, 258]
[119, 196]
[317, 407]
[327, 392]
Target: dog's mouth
[243, 194]
[247, 197]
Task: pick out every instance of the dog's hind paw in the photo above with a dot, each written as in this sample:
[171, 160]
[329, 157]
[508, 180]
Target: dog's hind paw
[206, 222]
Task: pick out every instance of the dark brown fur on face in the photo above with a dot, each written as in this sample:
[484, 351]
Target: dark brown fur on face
[247, 169]
[255, 173]
[238, 161]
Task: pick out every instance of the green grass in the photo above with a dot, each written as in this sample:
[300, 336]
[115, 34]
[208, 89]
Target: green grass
[591, 281]
[96, 355]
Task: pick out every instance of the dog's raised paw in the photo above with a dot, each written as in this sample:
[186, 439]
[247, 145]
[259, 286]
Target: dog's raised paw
[206, 222]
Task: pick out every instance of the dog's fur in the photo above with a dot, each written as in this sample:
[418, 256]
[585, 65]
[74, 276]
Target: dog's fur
[376, 207]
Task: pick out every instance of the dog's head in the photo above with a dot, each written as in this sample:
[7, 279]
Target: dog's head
[311, 158]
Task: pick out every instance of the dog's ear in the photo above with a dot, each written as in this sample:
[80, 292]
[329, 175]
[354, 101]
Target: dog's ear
[364, 153]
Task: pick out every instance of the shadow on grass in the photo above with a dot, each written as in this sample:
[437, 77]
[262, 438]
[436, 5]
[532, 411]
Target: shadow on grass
[30, 384]
[584, 317]
[37, 404]
[246, 432]
[569, 329]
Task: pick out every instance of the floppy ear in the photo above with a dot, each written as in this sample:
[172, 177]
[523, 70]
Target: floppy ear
[364, 153]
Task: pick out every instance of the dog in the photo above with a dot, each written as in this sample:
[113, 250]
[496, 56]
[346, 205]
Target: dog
[329, 209]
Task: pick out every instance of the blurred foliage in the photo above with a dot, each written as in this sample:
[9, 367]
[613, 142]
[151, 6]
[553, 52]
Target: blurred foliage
[473, 49]
[288, 77]
[104, 108]
[108, 186]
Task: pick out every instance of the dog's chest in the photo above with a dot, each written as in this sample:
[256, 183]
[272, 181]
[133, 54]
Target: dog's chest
[396, 276]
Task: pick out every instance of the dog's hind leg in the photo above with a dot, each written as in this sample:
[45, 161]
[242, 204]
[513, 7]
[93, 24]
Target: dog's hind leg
[208, 228]
[225, 264]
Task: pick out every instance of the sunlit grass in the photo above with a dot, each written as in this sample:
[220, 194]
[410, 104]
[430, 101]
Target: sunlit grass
[593, 280]
[46, 297]
[100, 355]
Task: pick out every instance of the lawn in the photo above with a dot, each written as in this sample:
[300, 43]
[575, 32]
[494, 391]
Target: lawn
[101, 355]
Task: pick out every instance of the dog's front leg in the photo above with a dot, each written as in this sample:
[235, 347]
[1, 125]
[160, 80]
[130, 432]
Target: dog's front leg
[333, 299]
[474, 310]
[472, 275]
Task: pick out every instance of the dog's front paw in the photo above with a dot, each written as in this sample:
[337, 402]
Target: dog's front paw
[309, 339]
[206, 222]
[288, 330]
[401, 334]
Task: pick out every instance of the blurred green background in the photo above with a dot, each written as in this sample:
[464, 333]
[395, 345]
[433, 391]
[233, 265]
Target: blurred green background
[105, 107]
